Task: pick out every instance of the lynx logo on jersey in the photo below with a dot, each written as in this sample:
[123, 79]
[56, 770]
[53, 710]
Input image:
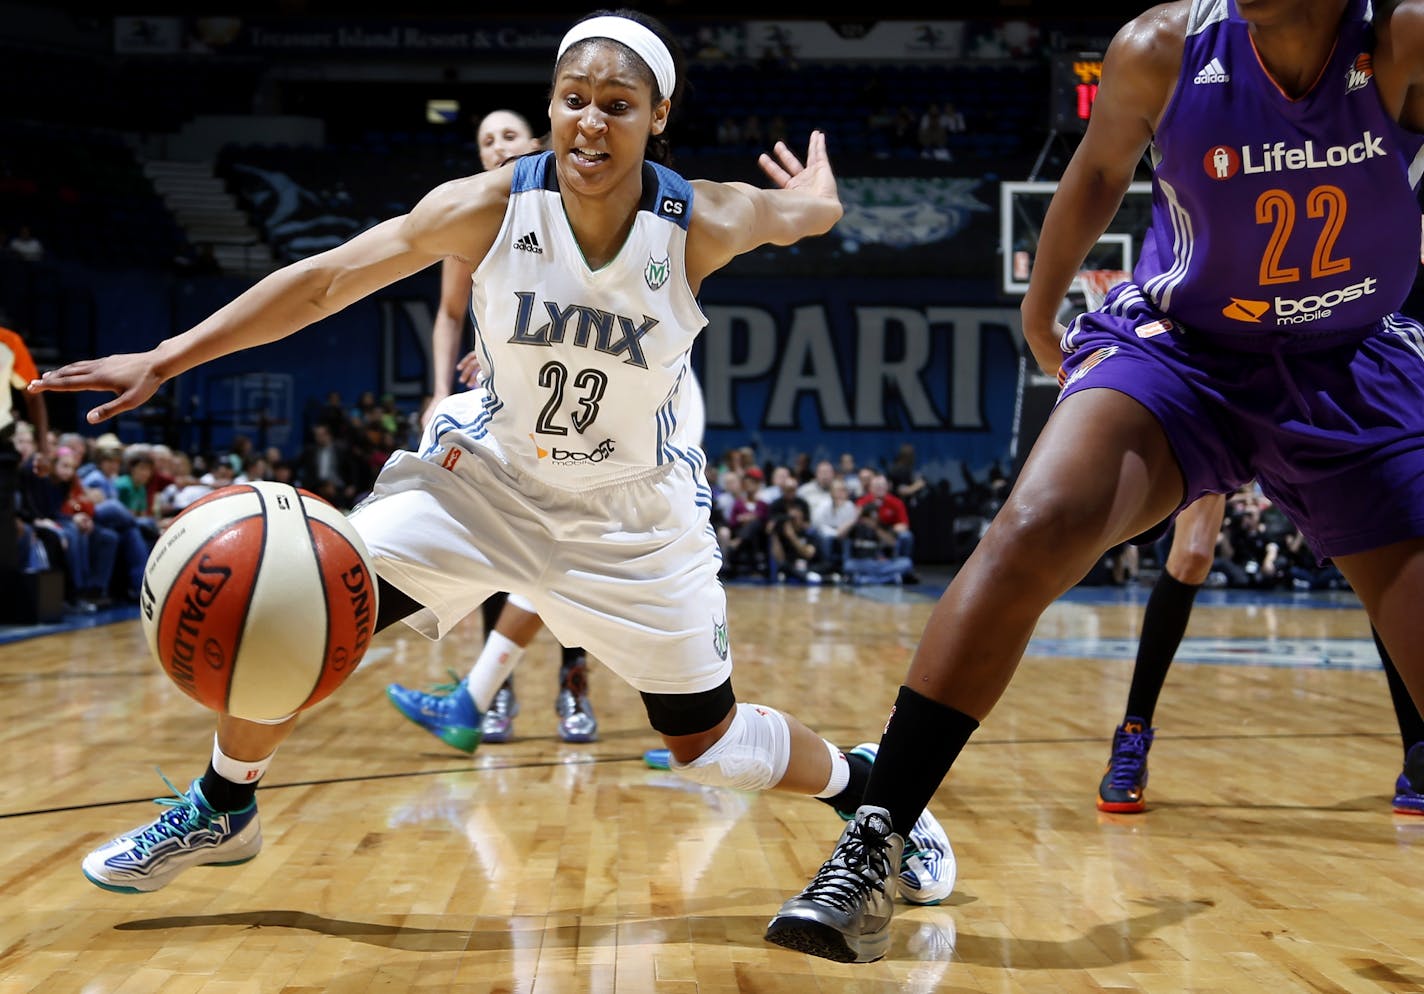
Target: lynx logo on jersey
[1358, 76]
[719, 637]
[656, 273]
[585, 327]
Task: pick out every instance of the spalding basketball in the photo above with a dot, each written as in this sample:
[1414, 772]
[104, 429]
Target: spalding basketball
[259, 600]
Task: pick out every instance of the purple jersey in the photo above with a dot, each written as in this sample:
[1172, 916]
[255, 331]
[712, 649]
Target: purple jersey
[1276, 218]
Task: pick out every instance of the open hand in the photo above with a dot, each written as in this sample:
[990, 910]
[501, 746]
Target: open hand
[814, 176]
[131, 376]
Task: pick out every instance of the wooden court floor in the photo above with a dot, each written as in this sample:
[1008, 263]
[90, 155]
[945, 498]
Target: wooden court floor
[1269, 860]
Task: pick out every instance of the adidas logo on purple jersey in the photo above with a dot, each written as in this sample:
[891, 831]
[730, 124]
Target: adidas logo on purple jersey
[1212, 72]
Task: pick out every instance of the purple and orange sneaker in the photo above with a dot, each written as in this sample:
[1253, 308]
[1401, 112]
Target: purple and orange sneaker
[1123, 786]
[1409, 787]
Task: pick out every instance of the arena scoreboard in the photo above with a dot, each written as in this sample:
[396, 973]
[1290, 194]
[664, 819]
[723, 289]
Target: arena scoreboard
[1074, 77]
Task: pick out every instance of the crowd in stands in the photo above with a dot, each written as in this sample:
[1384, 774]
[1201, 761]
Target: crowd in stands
[834, 522]
[1257, 548]
[95, 507]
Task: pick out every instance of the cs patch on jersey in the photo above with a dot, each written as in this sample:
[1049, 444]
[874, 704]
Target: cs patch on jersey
[656, 273]
[1089, 363]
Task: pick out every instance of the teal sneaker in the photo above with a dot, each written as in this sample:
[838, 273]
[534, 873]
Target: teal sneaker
[658, 759]
[189, 833]
[449, 713]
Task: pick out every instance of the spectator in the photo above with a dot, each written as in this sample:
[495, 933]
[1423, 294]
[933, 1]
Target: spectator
[26, 246]
[58, 503]
[816, 492]
[801, 471]
[782, 483]
[729, 132]
[17, 439]
[869, 559]
[1252, 543]
[906, 482]
[831, 523]
[132, 490]
[746, 549]
[135, 531]
[933, 134]
[328, 468]
[953, 119]
[1299, 565]
[792, 548]
[851, 474]
[892, 518]
[185, 488]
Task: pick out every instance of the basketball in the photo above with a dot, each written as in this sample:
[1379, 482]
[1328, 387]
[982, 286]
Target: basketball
[258, 600]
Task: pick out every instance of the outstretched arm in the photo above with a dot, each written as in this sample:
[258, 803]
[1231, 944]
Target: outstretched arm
[734, 218]
[293, 297]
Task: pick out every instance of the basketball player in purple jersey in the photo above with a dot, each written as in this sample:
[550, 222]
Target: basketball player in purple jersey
[1259, 337]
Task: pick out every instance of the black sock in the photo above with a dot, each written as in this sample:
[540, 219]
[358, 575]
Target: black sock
[853, 796]
[572, 658]
[224, 795]
[1411, 725]
[1169, 607]
[922, 740]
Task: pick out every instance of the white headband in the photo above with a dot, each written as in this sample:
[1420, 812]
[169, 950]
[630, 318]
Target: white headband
[648, 46]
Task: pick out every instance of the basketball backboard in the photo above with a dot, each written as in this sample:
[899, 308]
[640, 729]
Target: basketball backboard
[1022, 206]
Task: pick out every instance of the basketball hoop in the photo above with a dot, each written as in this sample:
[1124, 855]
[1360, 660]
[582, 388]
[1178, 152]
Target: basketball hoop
[1095, 284]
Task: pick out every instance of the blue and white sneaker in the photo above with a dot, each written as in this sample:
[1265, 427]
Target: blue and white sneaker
[189, 833]
[449, 713]
[927, 866]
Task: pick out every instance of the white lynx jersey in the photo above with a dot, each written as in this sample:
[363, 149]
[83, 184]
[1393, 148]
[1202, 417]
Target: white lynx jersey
[587, 372]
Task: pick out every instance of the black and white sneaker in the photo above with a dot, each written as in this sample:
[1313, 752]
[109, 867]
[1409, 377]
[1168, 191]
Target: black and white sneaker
[844, 912]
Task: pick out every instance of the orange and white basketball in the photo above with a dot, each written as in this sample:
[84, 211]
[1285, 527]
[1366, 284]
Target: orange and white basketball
[259, 600]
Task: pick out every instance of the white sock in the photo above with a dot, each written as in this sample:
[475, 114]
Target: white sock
[840, 772]
[238, 770]
[497, 660]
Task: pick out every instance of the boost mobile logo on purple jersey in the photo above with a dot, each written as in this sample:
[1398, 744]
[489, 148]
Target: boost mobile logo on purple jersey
[1223, 162]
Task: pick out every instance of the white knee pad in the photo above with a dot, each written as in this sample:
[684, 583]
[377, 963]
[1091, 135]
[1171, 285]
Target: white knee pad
[752, 755]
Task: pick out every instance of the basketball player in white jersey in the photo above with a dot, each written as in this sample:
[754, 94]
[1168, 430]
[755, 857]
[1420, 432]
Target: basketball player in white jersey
[573, 478]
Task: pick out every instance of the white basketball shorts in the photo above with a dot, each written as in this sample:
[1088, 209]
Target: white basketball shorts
[628, 571]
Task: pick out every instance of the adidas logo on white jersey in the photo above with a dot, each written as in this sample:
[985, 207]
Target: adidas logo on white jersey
[1212, 72]
[528, 243]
